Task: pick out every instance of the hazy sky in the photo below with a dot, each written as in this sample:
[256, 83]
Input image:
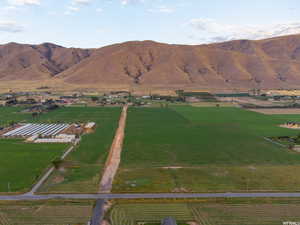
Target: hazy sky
[95, 23]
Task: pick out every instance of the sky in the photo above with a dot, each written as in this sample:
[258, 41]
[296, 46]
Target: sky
[97, 23]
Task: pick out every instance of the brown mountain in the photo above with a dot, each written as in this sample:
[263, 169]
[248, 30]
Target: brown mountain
[270, 63]
[37, 62]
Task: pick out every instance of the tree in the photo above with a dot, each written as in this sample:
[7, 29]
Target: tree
[57, 163]
[94, 98]
[180, 93]
[12, 123]
[34, 114]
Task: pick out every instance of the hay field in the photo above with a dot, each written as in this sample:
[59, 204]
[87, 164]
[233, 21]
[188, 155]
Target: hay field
[208, 212]
[211, 149]
[21, 164]
[12, 114]
[46, 212]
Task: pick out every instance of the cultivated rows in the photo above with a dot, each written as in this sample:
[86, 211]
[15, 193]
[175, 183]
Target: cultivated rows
[131, 214]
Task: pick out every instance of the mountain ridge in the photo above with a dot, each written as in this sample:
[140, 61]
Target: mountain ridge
[268, 63]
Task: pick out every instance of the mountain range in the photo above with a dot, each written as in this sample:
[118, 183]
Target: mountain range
[266, 64]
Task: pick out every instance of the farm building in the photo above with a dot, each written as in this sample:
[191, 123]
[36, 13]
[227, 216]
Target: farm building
[43, 133]
[89, 127]
[41, 108]
[61, 138]
[28, 130]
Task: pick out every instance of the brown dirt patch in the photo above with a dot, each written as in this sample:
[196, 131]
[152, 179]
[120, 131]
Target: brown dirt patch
[58, 179]
[276, 111]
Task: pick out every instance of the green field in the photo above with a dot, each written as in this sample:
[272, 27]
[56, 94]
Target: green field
[22, 163]
[12, 114]
[84, 164]
[208, 212]
[209, 149]
[87, 161]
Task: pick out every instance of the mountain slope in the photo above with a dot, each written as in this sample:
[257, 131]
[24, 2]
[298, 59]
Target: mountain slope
[37, 62]
[270, 63]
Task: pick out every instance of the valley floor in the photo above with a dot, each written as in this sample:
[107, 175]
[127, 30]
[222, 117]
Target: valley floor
[207, 149]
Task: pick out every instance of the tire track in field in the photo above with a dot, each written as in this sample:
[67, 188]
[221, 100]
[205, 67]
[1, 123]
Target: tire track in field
[114, 157]
[200, 218]
[4, 220]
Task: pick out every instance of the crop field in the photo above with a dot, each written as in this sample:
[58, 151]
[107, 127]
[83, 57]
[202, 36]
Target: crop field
[12, 114]
[131, 214]
[22, 163]
[207, 212]
[42, 212]
[86, 162]
[193, 149]
[83, 171]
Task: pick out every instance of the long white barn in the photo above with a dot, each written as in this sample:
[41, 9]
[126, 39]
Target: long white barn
[37, 129]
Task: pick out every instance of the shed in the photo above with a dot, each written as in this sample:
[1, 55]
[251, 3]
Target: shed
[89, 127]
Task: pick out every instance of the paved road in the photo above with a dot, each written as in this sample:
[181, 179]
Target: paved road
[147, 196]
[98, 212]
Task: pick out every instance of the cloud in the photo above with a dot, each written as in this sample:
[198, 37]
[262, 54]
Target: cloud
[99, 10]
[10, 8]
[208, 30]
[126, 2]
[10, 26]
[24, 2]
[73, 9]
[76, 5]
[81, 2]
[162, 9]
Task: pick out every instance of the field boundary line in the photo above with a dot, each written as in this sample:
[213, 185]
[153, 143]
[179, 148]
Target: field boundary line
[49, 172]
[274, 142]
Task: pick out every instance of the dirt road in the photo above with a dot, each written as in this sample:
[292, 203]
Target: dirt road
[114, 158]
[286, 111]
